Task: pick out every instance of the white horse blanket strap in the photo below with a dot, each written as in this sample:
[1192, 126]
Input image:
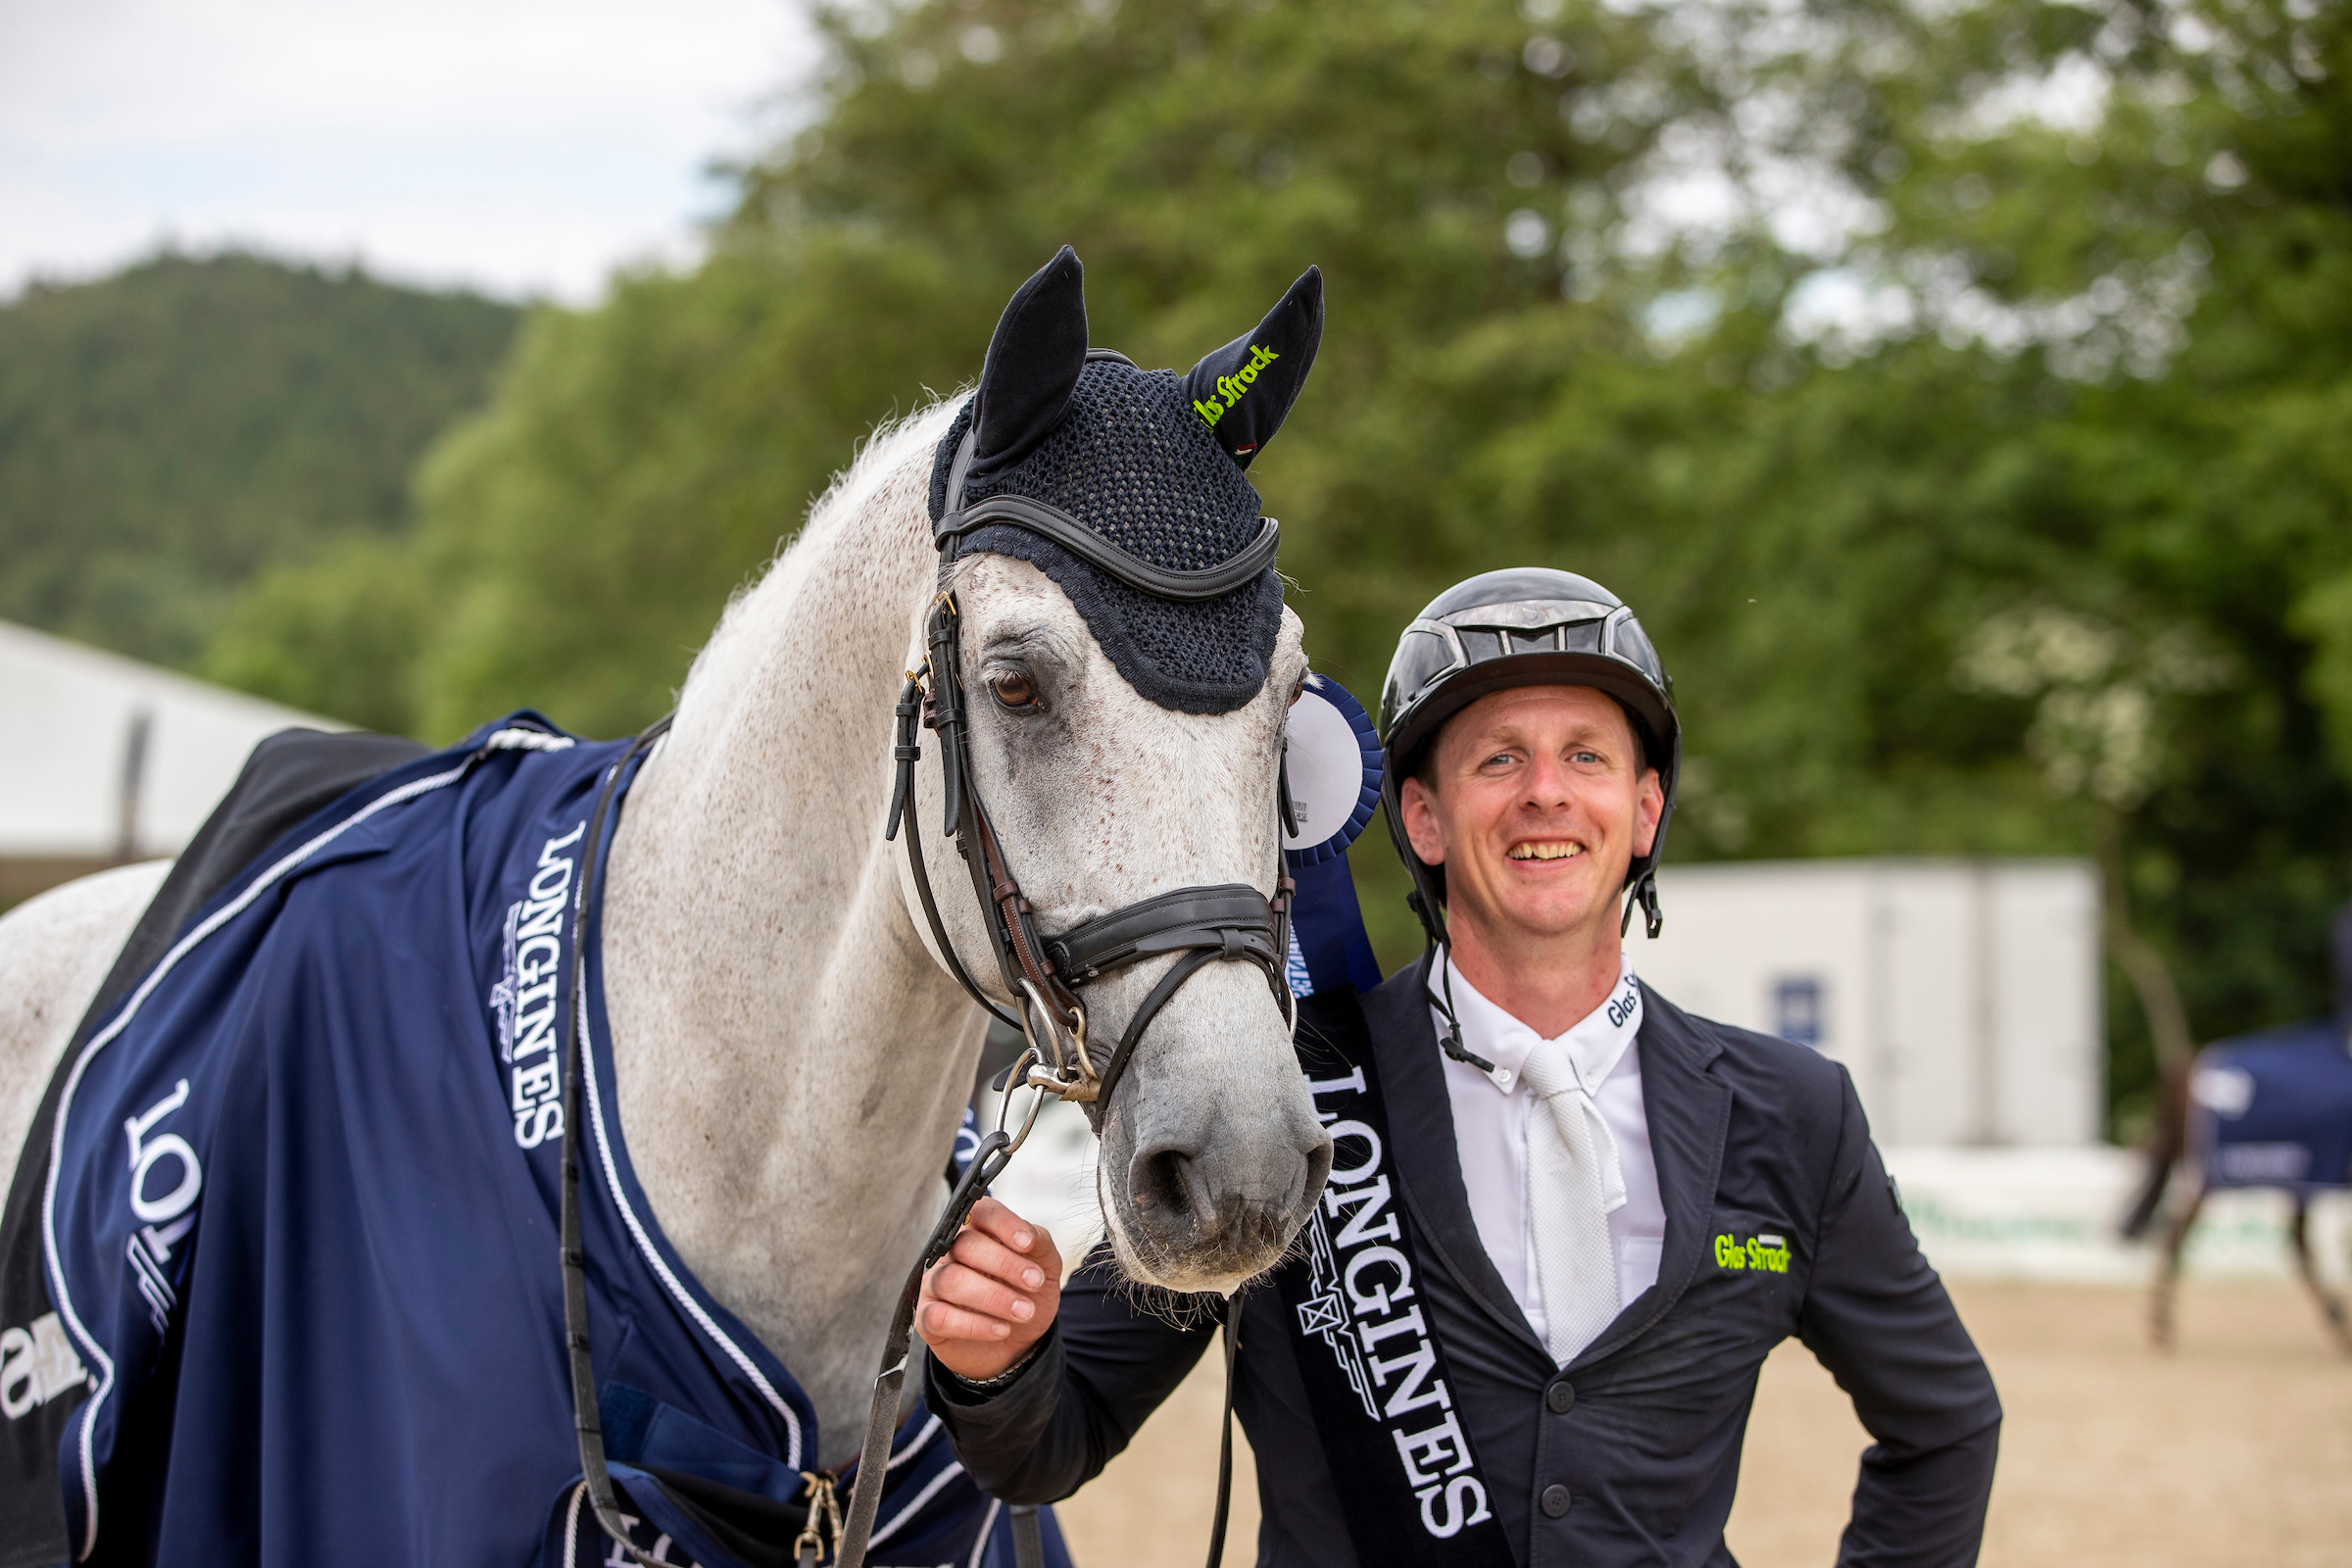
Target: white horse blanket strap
[298, 1230]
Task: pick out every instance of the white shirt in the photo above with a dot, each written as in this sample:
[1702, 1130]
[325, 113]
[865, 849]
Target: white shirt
[1490, 1113]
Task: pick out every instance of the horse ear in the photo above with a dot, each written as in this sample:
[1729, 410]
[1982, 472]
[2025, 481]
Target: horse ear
[1033, 363]
[1244, 388]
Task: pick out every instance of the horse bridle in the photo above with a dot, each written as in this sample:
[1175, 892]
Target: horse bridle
[1040, 974]
[1041, 977]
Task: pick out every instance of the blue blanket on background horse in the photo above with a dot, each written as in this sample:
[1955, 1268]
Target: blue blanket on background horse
[299, 1231]
[2274, 1108]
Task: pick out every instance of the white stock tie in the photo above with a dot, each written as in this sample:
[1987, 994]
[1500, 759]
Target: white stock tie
[1573, 1186]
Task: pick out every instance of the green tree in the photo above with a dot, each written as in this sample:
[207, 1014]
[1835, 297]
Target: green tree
[335, 634]
[2169, 281]
[649, 457]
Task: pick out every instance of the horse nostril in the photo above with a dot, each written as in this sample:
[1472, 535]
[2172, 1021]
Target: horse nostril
[1164, 1182]
[1318, 1164]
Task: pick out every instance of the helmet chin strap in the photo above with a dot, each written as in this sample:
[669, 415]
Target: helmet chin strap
[1646, 894]
[1437, 948]
[1453, 1045]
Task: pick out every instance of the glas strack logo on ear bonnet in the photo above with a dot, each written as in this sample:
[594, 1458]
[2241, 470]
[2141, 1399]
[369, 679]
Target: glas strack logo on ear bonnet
[1230, 387]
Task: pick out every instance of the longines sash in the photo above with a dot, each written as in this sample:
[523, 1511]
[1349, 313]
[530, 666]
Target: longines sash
[1375, 1371]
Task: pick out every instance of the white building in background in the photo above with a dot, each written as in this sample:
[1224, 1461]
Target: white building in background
[1964, 996]
[107, 760]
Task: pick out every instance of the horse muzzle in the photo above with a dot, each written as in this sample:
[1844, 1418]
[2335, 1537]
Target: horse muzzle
[1212, 1156]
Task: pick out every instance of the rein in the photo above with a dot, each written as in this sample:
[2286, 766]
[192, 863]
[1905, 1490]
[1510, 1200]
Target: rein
[1041, 976]
[585, 1419]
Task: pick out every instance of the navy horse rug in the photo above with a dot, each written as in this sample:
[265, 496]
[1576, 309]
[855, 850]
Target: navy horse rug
[2274, 1108]
[281, 1274]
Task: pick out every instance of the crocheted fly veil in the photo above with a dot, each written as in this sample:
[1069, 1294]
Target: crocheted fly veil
[1149, 462]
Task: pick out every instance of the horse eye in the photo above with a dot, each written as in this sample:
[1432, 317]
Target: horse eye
[1013, 690]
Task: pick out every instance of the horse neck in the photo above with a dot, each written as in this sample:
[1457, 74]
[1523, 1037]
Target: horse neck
[791, 1062]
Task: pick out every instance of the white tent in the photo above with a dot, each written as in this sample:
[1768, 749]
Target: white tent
[108, 760]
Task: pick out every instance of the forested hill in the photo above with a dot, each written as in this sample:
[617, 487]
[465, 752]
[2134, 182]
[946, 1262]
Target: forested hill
[168, 432]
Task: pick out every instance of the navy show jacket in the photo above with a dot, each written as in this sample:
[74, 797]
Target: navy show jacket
[1631, 1453]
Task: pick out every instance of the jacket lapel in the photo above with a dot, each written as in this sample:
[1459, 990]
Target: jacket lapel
[1420, 1112]
[1688, 1112]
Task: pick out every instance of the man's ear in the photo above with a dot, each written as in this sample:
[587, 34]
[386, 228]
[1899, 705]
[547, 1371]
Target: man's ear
[1033, 363]
[1420, 816]
[1244, 388]
[1650, 809]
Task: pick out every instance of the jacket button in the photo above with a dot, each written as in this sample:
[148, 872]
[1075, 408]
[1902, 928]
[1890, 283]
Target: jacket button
[1555, 1502]
[1560, 1397]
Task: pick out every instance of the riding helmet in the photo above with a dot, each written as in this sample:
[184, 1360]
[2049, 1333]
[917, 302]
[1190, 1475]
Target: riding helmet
[1523, 626]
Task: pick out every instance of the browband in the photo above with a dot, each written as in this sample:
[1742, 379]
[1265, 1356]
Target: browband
[1051, 522]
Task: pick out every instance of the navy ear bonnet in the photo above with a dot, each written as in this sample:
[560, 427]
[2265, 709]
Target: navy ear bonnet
[1086, 449]
[1134, 461]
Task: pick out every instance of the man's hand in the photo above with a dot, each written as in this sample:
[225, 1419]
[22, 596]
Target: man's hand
[993, 1295]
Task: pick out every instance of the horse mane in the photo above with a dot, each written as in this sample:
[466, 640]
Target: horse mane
[889, 445]
[842, 504]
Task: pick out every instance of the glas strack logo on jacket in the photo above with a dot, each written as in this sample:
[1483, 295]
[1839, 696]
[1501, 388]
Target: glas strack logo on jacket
[1230, 387]
[523, 1002]
[1769, 1253]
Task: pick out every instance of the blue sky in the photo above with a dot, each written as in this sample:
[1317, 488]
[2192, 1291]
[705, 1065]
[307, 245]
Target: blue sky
[527, 147]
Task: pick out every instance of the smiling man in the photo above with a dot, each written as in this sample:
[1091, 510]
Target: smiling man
[1566, 1221]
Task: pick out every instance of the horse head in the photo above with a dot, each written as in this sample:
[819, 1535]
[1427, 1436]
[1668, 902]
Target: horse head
[1122, 732]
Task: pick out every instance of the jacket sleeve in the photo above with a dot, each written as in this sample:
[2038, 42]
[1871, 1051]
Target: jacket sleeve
[1878, 1317]
[1104, 1367]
